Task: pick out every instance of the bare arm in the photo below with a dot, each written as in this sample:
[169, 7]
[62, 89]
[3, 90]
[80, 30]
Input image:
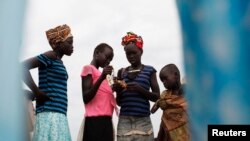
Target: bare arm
[118, 98]
[89, 89]
[29, 64]
[152, 96]
[28, 80]
[155, 88]
[118, 89]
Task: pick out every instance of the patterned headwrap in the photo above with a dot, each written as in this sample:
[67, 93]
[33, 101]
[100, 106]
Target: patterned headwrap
[134, 38]
[58, 34]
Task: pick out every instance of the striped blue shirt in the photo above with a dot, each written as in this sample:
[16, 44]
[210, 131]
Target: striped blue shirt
[133, 103]
[53, 81]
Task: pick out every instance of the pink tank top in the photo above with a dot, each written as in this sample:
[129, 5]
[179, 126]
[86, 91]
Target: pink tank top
[104, 103]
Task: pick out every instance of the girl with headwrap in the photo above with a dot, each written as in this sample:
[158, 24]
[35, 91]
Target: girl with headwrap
[51, 93]
[134, 120]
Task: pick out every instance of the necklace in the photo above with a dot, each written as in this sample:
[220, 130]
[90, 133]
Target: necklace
[135, 70]
[131, 71]
[132, 74]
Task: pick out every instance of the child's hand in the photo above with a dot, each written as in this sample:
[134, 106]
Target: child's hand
[155, 107]
[106, 70]
[167, 103]
[163, 104]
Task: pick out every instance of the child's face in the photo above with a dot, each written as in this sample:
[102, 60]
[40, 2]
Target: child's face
[169, 80]
[133, 53]
[105, 57]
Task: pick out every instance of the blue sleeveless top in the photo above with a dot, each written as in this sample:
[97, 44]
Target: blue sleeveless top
[53, 81]
[133, 103]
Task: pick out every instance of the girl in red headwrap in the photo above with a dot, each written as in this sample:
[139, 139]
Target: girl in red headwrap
[134, 119]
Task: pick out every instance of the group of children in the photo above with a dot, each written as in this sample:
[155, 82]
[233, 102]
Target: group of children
[135, 86]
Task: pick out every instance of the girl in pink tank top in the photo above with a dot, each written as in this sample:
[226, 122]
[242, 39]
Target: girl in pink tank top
[98, 96]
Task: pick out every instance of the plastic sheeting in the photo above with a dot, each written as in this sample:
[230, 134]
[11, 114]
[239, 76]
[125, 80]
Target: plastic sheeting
[11, 96]
[216, 47]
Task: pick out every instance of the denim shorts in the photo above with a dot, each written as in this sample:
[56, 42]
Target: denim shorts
[134, 128]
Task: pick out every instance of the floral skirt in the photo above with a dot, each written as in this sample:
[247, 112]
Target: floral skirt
[51, 126]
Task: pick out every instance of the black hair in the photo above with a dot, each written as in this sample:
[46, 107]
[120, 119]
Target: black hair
[101, 47]
[172, 69]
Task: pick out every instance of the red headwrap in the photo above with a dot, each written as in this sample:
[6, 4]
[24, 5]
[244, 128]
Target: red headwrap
[134, 38]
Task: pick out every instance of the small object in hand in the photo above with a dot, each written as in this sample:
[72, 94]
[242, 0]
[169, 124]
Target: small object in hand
[110, 80]
[122, 83]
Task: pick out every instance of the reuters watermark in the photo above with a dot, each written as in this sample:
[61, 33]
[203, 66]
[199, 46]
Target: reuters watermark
[220, 132]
